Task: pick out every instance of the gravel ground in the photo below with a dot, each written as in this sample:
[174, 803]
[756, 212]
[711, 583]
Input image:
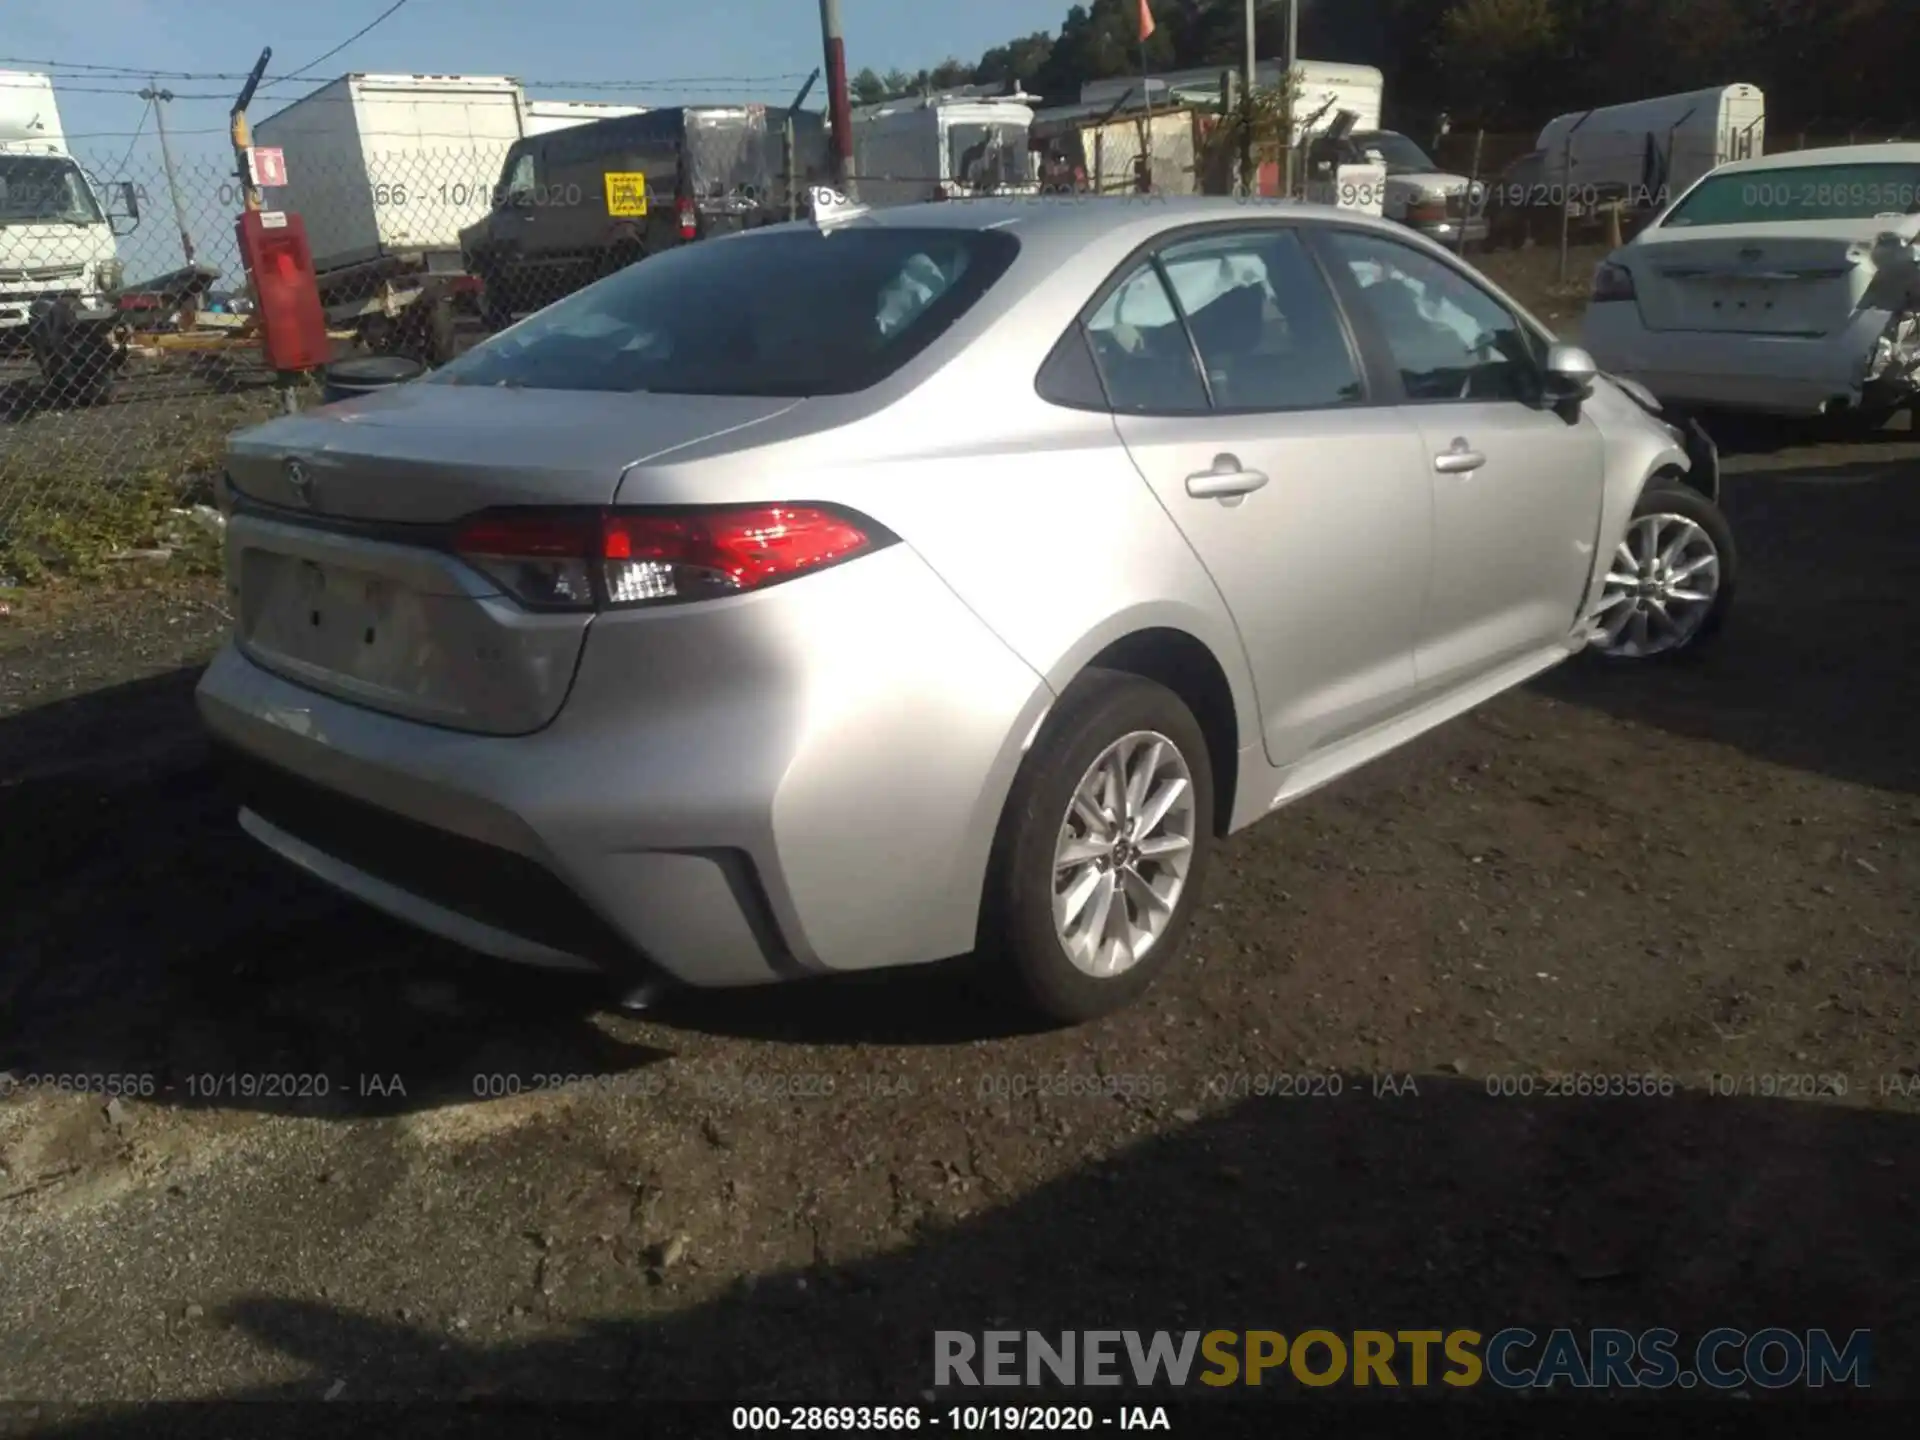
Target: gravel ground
[1706, 873]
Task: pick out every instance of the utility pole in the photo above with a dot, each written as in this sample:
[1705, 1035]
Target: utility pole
[1293, 59]
[839, 107]
[1249, 175]
[158, 98]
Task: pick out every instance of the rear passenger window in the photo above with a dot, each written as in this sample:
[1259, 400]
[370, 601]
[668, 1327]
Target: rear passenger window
[1264, 322]
[1145, 358]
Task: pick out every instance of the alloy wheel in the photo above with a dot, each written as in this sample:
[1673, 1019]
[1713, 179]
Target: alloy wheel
[1125, 848]
[1659, 589]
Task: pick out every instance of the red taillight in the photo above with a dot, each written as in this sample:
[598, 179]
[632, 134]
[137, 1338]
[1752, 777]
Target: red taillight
[619, 558]
[1611, 282]
[1427, 212]
[541, 559]
[689, 219]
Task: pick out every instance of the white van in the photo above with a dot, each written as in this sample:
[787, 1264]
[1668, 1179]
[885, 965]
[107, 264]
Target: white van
[1648, 151]
[56, 238]
[937, 147]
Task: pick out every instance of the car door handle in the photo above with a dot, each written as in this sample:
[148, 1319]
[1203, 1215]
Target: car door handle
[1458, 459]
[1227, 478]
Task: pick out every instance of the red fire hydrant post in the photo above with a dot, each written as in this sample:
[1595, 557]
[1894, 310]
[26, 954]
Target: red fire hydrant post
[273, 245]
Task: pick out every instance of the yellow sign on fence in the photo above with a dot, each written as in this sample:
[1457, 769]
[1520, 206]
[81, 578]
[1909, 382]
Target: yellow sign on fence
[626, 193]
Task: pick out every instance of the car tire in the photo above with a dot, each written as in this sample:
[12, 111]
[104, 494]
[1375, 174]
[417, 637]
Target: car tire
[1670, 511]
[1104, 715]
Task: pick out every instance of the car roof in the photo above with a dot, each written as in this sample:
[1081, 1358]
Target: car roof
[1892, 152]
[1074, 218]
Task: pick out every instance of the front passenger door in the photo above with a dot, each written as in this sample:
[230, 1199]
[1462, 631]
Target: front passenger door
[1240, 397]
[1516, 485]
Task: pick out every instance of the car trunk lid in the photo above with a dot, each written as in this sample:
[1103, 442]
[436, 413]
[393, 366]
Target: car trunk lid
[338, 548]
[1774, 280]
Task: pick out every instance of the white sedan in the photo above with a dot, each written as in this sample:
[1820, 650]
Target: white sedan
[1787, 285]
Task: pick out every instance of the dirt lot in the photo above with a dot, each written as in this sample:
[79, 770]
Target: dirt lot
[1709, 874]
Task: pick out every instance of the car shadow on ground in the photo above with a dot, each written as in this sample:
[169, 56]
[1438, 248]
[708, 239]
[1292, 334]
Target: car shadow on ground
[143, 936]
[1452, 1208]
[1737, 434]
[1819, 665]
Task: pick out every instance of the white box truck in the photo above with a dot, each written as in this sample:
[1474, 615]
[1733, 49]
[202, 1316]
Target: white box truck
[59, 265]
[385, 171]
[543, 117]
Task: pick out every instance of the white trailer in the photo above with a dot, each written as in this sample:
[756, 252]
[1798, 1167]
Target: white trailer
[936, 146]
[382, 165]
[1652, 149]
[541, 117]
[385, 171]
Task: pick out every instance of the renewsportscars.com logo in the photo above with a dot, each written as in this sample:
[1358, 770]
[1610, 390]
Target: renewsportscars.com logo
[1510, 1359]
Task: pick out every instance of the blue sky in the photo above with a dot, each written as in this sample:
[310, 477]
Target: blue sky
[773, 43]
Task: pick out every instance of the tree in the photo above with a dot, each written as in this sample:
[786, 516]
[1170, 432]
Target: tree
[867, 88]
[949, 74]
[1023, 60]
[1501, 58]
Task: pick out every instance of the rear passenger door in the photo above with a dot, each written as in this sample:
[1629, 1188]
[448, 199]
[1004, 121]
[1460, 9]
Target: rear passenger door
[1516, 484]
[1244, 403]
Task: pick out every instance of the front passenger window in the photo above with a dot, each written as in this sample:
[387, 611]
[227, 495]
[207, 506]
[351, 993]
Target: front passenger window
[1449, 339]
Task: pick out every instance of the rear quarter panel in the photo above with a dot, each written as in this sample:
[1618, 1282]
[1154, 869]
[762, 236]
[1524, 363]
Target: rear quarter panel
[1032, 513]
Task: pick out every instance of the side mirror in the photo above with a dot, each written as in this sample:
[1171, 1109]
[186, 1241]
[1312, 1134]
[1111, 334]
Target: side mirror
[127, 219]
[1570, 373]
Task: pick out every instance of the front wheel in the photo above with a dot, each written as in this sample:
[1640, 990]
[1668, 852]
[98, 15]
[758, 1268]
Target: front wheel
[1670, 581]
[1101, 850]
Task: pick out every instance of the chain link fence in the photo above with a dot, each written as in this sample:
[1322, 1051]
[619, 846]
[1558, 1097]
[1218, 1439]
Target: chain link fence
[128, 348]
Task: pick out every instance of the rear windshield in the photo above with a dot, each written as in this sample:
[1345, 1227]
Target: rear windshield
[784, 312]
[730, 154]
[1800, 192]
[988, 155]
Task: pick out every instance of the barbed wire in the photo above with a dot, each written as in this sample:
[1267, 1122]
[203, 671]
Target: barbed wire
[665, 82]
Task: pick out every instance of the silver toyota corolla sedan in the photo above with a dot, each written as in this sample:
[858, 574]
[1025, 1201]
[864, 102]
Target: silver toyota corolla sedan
[938, 580]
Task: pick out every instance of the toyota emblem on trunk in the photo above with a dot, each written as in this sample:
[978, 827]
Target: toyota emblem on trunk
[301, 480]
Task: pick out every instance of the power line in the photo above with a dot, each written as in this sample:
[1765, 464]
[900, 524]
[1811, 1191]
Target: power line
[682, 82]
[136, 138]
[145, 72]
[397, 4]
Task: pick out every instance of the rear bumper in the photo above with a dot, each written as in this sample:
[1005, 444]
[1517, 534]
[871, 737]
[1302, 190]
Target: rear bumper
[807, 780]
[1772, 374]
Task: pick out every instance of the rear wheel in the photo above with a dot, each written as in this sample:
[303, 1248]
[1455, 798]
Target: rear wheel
[1670, 581]
[1101, 849]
